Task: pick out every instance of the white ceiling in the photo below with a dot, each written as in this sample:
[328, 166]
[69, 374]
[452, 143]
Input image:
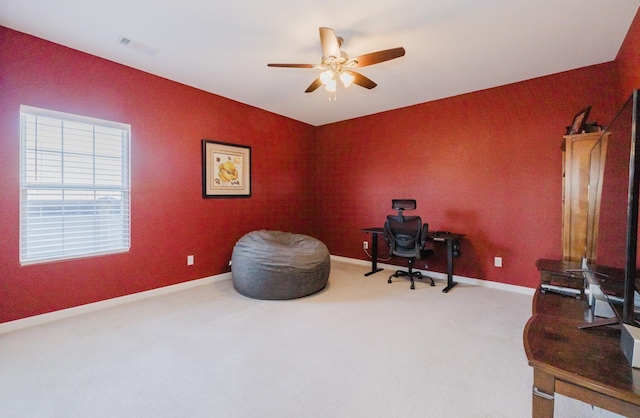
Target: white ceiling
[223, 47]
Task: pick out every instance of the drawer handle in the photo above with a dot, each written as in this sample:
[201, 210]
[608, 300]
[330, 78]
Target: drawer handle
[537, 392]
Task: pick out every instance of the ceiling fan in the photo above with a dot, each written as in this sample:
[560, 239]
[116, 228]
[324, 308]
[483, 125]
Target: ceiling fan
[338, 66]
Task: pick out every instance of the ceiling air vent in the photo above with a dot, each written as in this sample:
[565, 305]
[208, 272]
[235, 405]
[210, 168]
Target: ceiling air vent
[138, 46]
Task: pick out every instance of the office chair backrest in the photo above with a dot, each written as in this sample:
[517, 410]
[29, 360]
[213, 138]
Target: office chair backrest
[404, 235]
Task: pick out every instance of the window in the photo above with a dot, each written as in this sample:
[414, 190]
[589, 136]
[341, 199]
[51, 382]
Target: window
[74, 186]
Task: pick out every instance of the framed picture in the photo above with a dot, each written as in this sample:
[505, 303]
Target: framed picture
[226, 169]
[579, 120]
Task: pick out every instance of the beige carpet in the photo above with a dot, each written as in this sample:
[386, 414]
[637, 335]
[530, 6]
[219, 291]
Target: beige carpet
[359, 348]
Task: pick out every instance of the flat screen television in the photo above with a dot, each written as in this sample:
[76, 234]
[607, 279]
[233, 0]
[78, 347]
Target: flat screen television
[613, 210]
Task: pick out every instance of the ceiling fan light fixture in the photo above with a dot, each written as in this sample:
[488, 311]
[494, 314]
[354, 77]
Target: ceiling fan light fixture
[347, 78]
[326, 77]
[331, 86]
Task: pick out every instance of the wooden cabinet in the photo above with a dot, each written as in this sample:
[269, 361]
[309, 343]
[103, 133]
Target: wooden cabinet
[579, 231]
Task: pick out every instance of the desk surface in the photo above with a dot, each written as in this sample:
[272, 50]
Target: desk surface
[444, 236]
[434, 235]
[585, 364]
[590, 358]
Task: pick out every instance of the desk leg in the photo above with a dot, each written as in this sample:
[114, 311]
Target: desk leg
[543, 394]
[374, 255]
[450, 282]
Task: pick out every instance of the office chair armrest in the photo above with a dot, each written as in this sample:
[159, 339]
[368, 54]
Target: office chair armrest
[423, 235]
[387, 237]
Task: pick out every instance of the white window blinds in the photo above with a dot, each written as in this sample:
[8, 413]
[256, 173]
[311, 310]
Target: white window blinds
[74, 186]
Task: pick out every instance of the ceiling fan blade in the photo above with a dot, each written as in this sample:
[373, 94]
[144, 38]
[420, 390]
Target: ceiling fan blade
[380, 56]
[363, 81]
[292, 65]
[313, 86]
[330, 43]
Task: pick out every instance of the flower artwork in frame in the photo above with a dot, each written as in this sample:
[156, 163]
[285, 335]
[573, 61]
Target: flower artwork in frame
[226, 169]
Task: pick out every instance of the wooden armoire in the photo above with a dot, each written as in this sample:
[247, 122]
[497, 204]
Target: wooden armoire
[580, 205]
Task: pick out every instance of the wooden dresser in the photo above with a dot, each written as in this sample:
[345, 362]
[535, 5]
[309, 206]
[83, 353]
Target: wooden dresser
[587, 365]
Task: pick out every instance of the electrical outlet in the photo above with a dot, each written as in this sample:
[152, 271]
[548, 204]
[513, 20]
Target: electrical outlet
[497, 261]
[190, 260]
[365, 245]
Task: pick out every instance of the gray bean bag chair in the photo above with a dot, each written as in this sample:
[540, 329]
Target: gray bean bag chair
[279, 265]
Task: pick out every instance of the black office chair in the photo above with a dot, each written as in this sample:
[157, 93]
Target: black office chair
[407, 238]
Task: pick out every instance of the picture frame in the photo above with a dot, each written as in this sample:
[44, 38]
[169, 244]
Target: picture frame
[226, 169]
[579, 120]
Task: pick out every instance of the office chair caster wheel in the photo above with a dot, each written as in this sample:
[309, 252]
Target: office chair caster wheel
[413, 286]
[389, 281]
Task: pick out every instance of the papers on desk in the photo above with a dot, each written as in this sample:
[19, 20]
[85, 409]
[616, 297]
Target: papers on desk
[439, 235]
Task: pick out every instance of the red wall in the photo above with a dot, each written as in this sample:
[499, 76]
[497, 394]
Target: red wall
[628, 63]
[170, 219]
[486, 164]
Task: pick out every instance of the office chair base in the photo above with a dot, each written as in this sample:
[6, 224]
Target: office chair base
[411, 275]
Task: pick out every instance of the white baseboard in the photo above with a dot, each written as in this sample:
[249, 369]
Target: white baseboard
[91, 307]
[443, 276]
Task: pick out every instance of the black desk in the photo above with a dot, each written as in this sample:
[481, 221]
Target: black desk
[451, 241]
[374, 249]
